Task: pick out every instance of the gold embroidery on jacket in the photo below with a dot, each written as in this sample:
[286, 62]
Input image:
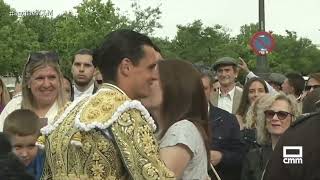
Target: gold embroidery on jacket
[138, 147]
[98, 157]
[102, 107]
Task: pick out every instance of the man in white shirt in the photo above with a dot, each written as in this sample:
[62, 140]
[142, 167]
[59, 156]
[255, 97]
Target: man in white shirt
[83, 71]
[229, 95]
[225, 147]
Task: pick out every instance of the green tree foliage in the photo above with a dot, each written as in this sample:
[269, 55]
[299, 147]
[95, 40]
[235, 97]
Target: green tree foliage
[294, 54]
[7, 15]
[43, 26]
[16, 41]
[146, 20]
[243, 40]
[291, 54]
[67, 32]
[167, 48]
[195, 42]
[93, 19]
[198, 43]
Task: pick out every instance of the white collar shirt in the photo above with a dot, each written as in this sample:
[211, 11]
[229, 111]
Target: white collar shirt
[78, 93]
[225, 101]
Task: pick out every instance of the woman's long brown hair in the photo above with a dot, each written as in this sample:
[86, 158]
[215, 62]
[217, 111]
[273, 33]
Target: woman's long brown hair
[183, 96]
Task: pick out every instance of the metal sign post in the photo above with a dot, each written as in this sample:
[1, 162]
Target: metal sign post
[262, 43]
[262, 67]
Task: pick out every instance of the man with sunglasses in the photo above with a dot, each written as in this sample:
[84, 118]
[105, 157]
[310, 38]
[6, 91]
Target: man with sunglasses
[310, 88]
[312, 83]
[109, 135]
[83, 72]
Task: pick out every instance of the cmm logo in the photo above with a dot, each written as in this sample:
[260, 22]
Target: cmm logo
[292, 155]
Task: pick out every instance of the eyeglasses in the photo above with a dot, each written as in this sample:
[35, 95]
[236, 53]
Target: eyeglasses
[280, 114]
[42, 55]
[308, 88]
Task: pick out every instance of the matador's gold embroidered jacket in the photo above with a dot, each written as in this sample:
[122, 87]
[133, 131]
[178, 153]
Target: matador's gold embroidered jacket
[104, 136]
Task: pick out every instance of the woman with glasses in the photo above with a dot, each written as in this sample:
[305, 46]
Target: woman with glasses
[4, 95]
[42, 89]
[274, 114]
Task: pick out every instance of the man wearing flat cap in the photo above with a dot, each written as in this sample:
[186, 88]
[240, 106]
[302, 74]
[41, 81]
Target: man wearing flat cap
[229, 95]
[276, 80]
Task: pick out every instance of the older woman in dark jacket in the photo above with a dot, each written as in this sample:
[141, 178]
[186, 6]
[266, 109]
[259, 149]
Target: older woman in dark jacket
[274, 114]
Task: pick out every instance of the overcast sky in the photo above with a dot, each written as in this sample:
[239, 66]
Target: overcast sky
[302, 16]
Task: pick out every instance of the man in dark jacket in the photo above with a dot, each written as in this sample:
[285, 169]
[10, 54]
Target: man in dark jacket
[303, 134]
[226, 150]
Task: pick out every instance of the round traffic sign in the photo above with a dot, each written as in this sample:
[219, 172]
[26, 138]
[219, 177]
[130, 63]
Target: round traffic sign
[262, 43]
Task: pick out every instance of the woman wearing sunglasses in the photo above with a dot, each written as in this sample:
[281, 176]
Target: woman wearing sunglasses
[42, 90]
[274, 114]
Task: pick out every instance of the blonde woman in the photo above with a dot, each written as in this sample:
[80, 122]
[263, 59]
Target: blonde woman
[4, 94]
[42, 90]
[273, 115]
